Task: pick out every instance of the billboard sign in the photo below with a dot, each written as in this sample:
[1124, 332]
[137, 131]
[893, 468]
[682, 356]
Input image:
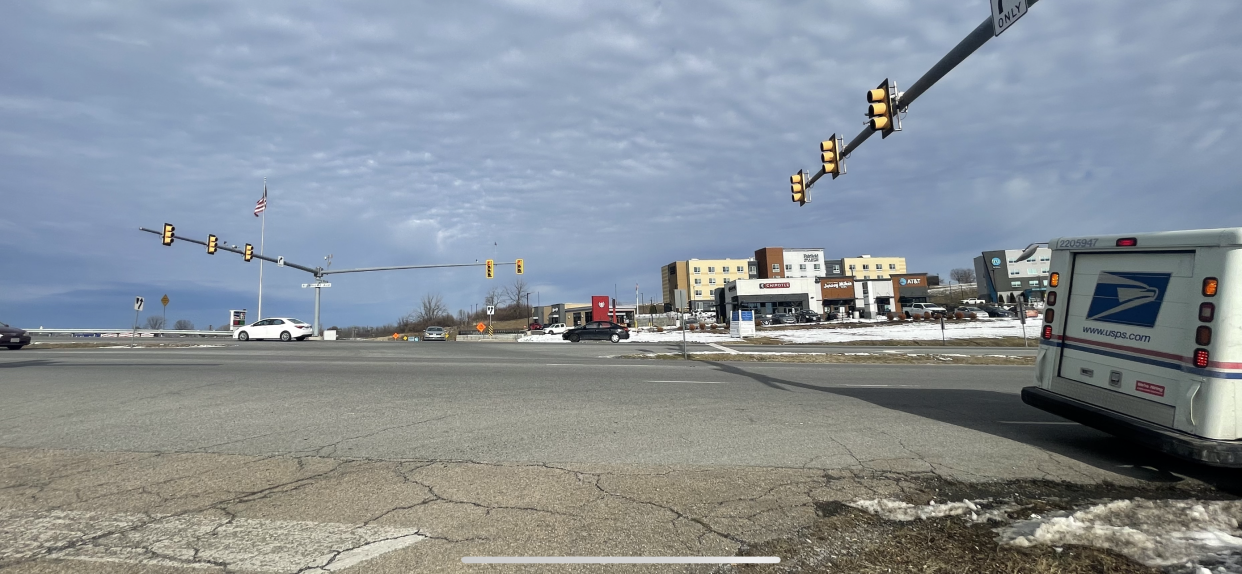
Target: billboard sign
[599, 308]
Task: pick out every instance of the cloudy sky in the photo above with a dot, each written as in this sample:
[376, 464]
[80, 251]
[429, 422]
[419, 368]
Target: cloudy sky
[596, 140]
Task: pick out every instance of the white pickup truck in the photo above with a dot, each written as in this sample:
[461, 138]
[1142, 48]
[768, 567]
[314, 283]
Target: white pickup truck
[912, 309]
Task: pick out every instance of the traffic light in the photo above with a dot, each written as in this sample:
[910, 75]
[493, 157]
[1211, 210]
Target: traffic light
[491, 269]
[797, 183]
[521, 266]
[830, 154]
[168, 233]
[249, 252]
[883, 103]
[211, 244]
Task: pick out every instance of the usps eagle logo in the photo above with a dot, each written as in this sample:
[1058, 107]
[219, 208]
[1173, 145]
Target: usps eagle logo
[1128, 298]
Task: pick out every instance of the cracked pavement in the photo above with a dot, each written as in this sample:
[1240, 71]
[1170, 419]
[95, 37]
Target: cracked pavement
[155, 460]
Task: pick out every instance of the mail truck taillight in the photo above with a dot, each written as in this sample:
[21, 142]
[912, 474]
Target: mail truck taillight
[1127, 242]
[1052, 298]
[1203, 336]
[1047, 331]
[1055, 279]
[1048, 316]
[1207, 312]
[1210, 286]
[1201, 358]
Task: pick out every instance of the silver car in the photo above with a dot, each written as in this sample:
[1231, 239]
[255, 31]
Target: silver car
[435, 334]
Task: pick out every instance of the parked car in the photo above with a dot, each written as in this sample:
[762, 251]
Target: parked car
[13, 338]
[968, 310]
[784, 319]
[807, 316]
[597, 331]
[536, 326]
[554, 328]
[283, 328]
[998, 312]
[911, 308]
[973, 301]
[435, 334]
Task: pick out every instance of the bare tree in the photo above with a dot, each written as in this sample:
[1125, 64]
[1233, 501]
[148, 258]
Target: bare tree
[183, 325]
[962, 275]
[516, 294]
[492, 297]
[155, 322]
[430, 309]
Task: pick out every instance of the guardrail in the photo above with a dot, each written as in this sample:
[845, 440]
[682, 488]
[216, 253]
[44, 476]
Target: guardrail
[128, 332]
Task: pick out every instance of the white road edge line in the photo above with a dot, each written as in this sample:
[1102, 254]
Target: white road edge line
[723, 348]
[694, 382]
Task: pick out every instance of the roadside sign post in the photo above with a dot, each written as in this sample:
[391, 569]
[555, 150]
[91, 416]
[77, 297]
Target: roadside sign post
[164, 300]
[491, 310]
[1022, 319]
[137, 309]
[679, 301]
[942, 331]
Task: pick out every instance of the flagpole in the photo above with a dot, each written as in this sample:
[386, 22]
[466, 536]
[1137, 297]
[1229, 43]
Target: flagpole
[262, 233]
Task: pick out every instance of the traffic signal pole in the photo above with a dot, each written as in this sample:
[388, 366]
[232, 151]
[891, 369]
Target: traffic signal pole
[320, 272]
[973, 41]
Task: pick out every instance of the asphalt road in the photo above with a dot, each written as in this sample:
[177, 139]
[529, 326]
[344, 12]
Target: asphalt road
[463, 449]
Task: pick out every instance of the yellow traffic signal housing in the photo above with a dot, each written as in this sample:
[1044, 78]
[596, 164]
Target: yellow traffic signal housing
[830, 154]
[211, 244]
[882, 105]
[491, 269]
[797, 187]
[521, 266]
[168, 233]
[249, 252]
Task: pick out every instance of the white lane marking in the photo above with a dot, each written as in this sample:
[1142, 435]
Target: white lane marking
[195, 541]
[694, 382]
[1037, 422]
[723, 348]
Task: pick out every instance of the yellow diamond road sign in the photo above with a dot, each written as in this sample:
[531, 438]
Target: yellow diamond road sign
[164, 300]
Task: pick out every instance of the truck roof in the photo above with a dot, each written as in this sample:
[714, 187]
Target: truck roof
[1193, 238]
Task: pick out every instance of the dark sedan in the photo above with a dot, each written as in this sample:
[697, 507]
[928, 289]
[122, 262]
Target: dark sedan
[597, 331]
[13, 338]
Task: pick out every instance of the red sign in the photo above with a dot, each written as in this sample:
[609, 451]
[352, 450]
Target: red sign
[1149, 388]
[773, 285]
[599, 308]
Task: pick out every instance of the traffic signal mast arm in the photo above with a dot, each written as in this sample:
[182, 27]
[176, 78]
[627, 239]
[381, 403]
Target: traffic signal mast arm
[973, 41]
[319, 271]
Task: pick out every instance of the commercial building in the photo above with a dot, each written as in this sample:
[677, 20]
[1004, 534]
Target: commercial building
[792, 262]
[871, 298]
[701, 277]
[573, 314]
[868, 267]
[767, 296]
[1000, 278]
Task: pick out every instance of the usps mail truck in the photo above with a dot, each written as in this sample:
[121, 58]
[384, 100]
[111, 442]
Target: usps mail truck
[1142, 338]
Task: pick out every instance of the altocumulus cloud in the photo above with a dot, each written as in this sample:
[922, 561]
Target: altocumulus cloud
[596, 140]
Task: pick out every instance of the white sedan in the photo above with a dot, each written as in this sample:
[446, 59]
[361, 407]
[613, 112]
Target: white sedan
[283, 328]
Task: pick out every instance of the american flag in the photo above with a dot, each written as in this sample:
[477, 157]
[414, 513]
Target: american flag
[261, 206]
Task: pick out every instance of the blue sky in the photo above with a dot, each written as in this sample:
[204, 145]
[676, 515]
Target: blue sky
[598, 141]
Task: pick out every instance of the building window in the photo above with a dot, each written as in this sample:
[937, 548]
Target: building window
[1034, 282]
[1014, 272]
[1017, 284]
[698, 281]
[1044, 271]
[776, 268]
[711, 281]
[741, 269]
[711, 269]
[1012, 261]
[879, 276]
[866, 276]
[698, 293]
[836, 268]
[802, 267]
[696, 270]
[1045, 282]
[789, 267]
[817, 267]
[892, 266]
[851, 267]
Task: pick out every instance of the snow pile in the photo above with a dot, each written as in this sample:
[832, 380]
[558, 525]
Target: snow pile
[972, 510]
[882, 332]
[1192, 536]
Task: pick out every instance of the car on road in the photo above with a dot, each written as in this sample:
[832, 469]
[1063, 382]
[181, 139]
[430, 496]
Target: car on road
[535, 326]
[283, 328]
[968, 310]
[910, 309]
[784, 319]
[975, 301]
[807, 316]
[554, 328]
[435, 334]
[995, 311]
[13, 338]
[597, 331]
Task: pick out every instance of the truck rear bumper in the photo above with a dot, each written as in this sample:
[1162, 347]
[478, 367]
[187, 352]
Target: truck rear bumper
[1222, 453]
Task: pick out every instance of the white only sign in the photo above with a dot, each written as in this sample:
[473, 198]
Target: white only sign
[1005, 13]
[491, 309]
[137, 303]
